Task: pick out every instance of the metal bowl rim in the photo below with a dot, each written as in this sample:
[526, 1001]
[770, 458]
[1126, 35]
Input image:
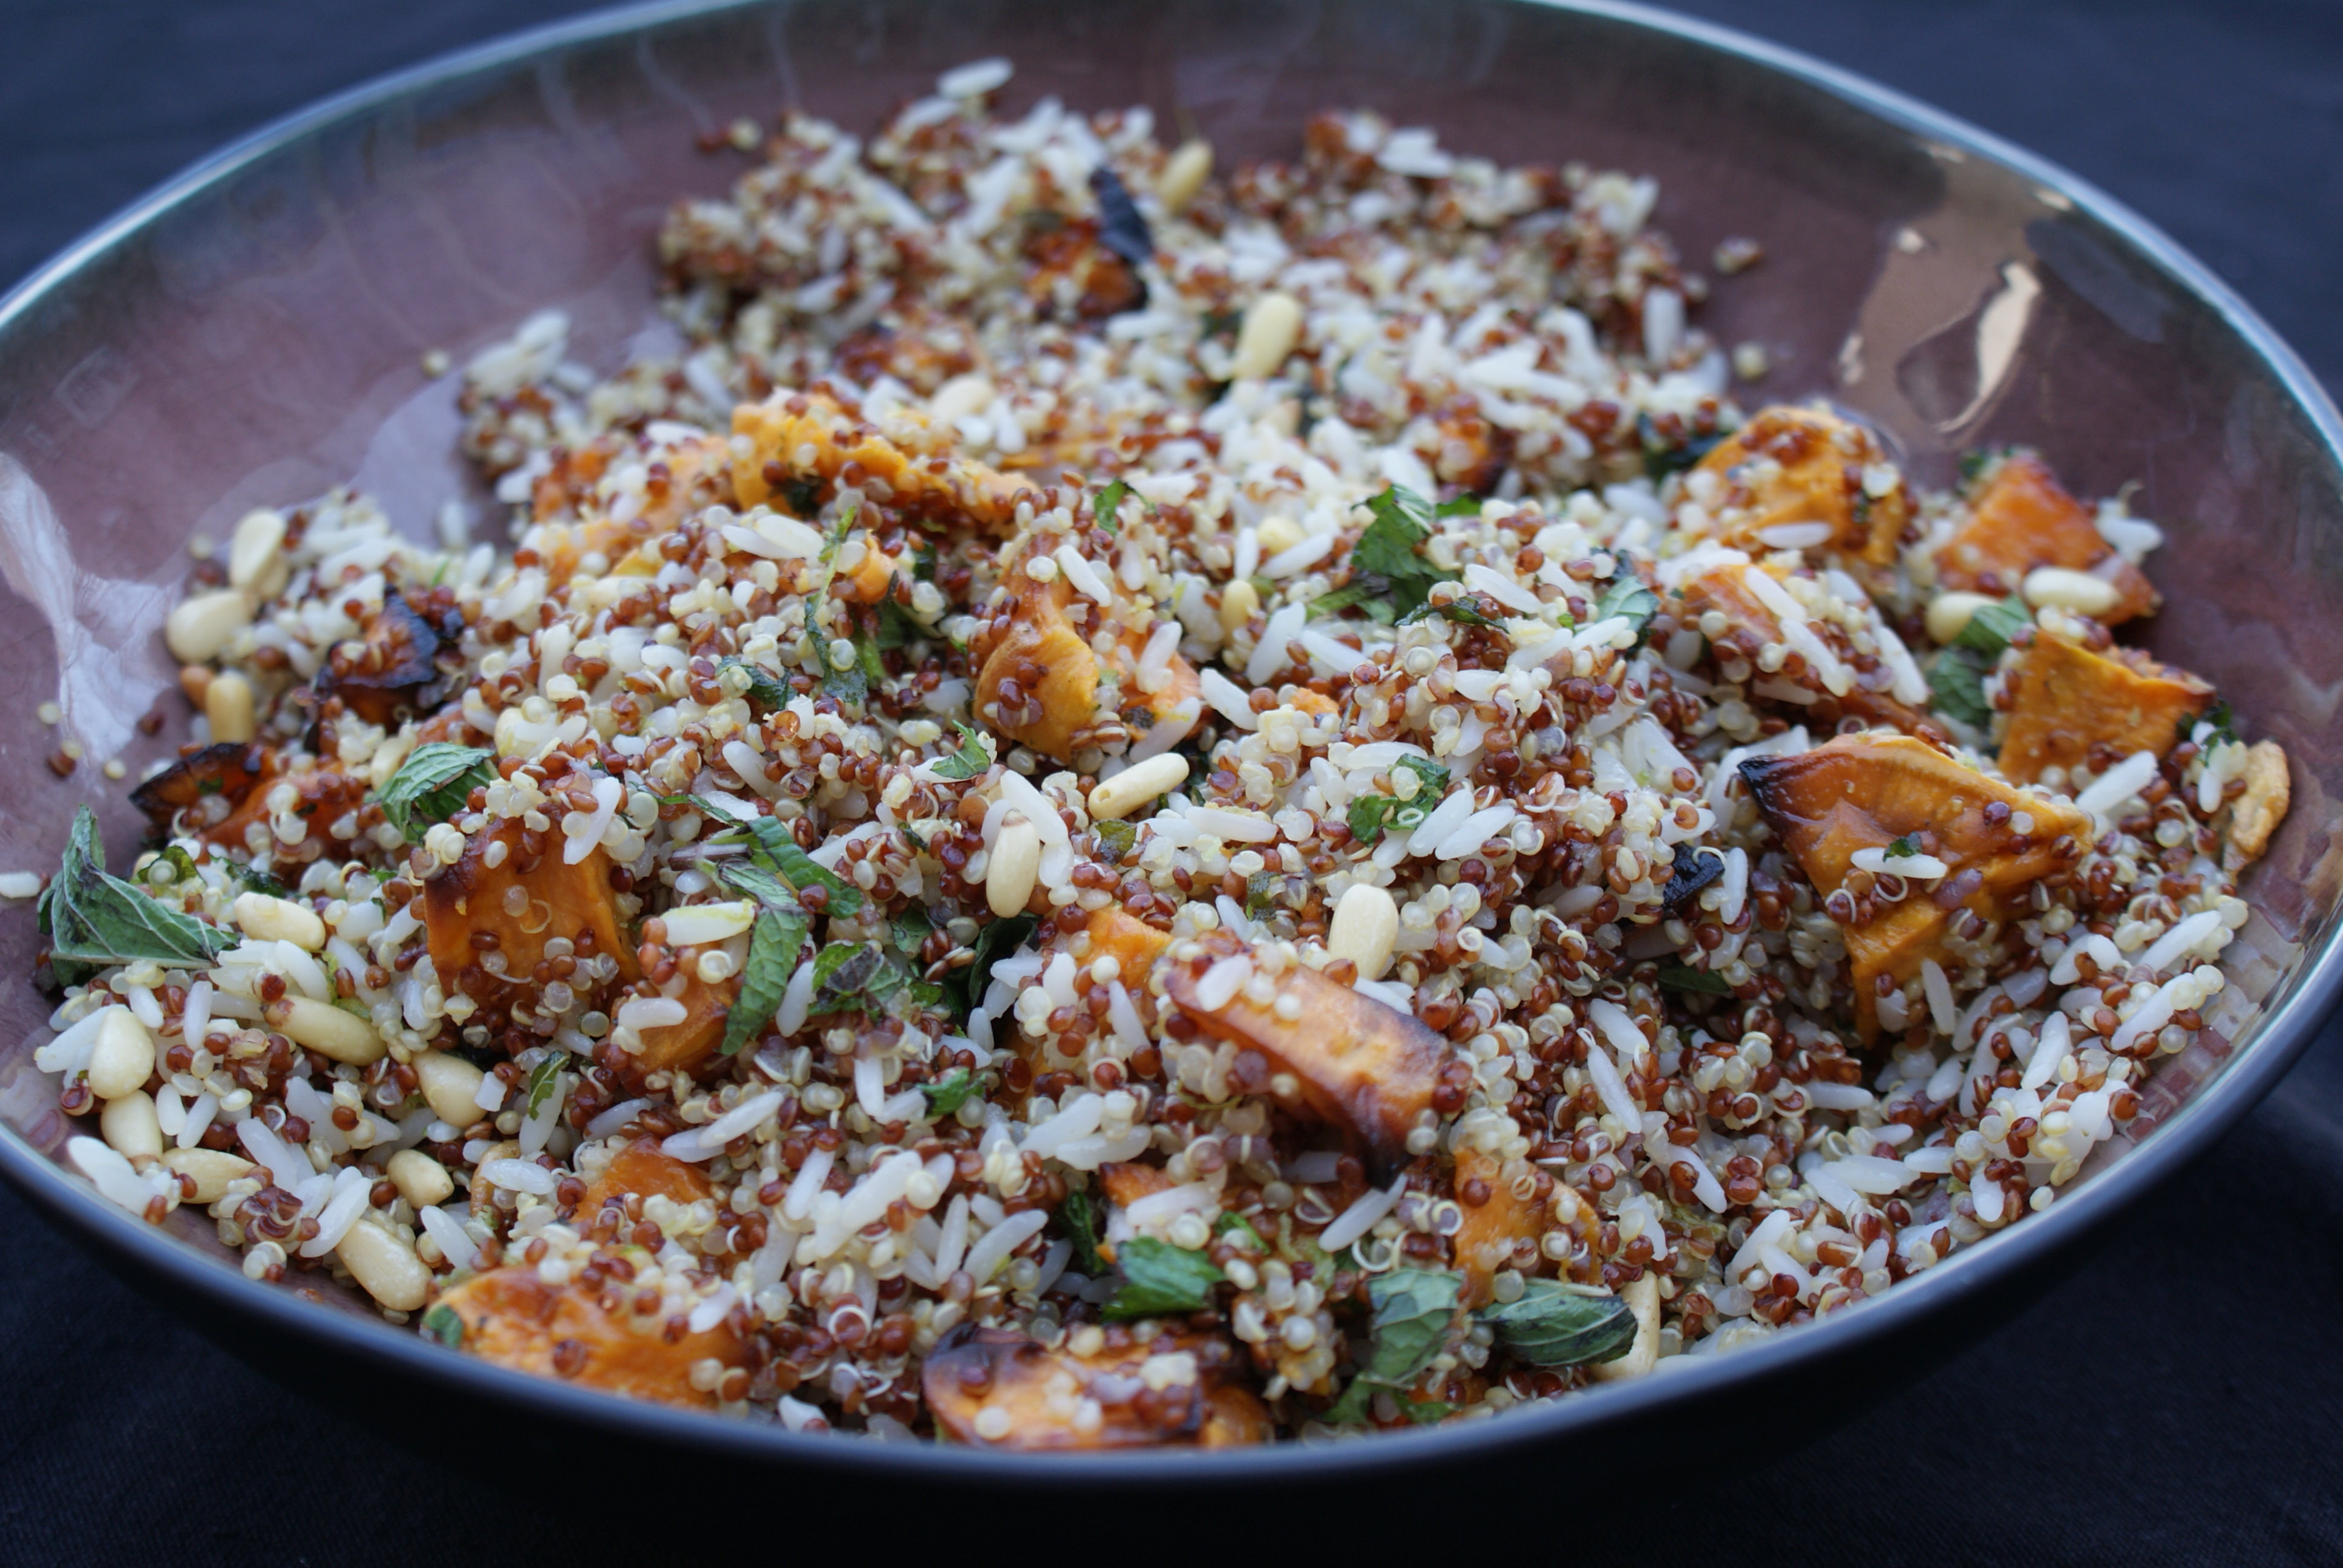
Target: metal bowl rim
[2209, 1113]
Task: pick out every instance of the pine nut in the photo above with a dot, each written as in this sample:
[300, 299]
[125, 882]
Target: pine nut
[1278, 535]
[129, 1126]
[213, 1170]
[960, 396]
[421, 1180]
[1643, 1298]
[123, 1059]
[199, 627]
[279, 921]
[1949, 612]
[1365, 927]
[2078, 592]
[326, 1030]
[1271, 327]
[387, 1266]
[1239, 600]
[1016, 862]
[1136, 785]
[255, 556]
[1184, 174]
[449, 1085]
[227, 704]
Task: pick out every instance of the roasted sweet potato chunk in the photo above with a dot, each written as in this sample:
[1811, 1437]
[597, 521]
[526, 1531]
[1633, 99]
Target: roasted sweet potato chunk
[998, 1388]
[689, 1046]
[1791, 465]
[514, 1319]
[227, 773]
[395, 670]
[1750, 626]
[1130, 942]
[221, 792]
[2066, 699]
[565, 490]
[640, 1167]
[1126, 1184]
[1340, 1056]
[1865, 791]
[2021, 518]
[1043, 685]
[548, 898]
[1497, 1230]
[807, 439]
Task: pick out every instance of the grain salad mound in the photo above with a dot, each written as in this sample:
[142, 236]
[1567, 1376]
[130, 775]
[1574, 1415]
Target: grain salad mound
[1134, 808]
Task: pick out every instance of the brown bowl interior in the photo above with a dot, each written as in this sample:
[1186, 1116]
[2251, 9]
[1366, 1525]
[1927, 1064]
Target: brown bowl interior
[258, 338]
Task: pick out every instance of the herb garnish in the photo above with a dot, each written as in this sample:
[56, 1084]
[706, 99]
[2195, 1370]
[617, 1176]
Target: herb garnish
[1078, 1219]
[1627, 596]
[764, 686]
[1159, 1279]
[774, 943]
[1909, 844]
[997, 940]
[1990, 630]
[442, 1323]
[1389, 578]
[1371, 815]
[1553, 1326]
[432, 784]
[1413, 1310]
[1683, 977]
[93, 920]
[969, 760]
[543, 1079]
[950, 1093]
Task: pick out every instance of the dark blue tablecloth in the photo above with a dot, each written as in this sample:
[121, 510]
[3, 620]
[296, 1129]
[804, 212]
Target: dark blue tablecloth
[2179, 1400]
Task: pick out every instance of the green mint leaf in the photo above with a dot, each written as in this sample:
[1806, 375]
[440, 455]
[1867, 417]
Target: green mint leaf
[1413, 1310]
[1627, 596]
[1159, 1279]
[774, 944]
[94, 921]
[1117, 838]
[542, 1080]
[1664, 456]
[1238, 1225]
[1367, 816]
[1683, 977]
[971, 760]
[997, 939]
[1388, 577]
[1107, 504]
[176, 861]
[750, 880]
[850, 681]
[1990, 630]
[442, 1323]
[2224, 723]
[1909, 844]
[1433, 776]
[765, 688]
[1261, 890]
[253, 879]
[1957, 688]
[949, 1093]
[1462, 507]
[910, 929]
[781, 855]
[1553, 1326]
[432, 784]
[1078, 1221]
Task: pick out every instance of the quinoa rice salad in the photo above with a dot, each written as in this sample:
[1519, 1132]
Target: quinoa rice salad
[1135, 804]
